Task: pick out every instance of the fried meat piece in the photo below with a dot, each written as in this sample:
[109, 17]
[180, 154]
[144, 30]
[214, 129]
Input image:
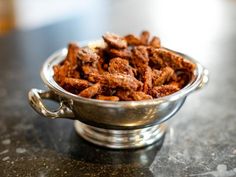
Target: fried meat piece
[144, 37]
[147, 80]
[127, 95]
[175, 61]
[65, 70]
[100, 67]
[140, 61]
[121, 81]
[72, 53]
[68, 67]
[183, 77]
[95, 77]
[87, 55]
[101, 52]
[176, 84]
[59, 74]
[88, 69]
[116, 81]
[115, 41]
[155, 42]
[99, 64]
[91, 91]
[122, 53]
[140, 58]
[106, 91]
[162, 76]
[108, 98]
[119, 65]
[124, 95]
[155, 60]
[133, 40]
[163, 90]
[137, 96]
[75, 84]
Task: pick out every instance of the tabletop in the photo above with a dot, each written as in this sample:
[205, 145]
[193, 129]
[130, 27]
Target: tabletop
[201, 137]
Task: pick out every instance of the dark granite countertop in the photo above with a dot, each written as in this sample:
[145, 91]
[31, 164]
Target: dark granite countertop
[201, 137]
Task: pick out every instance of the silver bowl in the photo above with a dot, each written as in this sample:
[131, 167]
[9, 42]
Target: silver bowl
[123, 124]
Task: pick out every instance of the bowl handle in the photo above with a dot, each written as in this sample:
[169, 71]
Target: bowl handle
[36, 96]
[204, 79]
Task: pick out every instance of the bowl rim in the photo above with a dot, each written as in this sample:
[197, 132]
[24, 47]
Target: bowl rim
[47, 77]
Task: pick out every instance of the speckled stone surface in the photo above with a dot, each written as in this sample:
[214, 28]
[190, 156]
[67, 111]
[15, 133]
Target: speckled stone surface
[201, 137]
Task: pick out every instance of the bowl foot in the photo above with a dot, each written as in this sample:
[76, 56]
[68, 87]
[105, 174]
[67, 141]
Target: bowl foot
[120, 139]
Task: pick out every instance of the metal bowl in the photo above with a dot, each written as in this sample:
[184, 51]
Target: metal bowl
[123, 124]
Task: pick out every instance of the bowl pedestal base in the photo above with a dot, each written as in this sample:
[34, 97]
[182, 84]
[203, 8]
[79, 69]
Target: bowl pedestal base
[120, 139]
